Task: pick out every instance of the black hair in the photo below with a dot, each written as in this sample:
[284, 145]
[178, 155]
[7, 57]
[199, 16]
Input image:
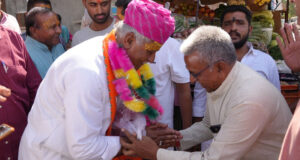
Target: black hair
[30, 20]
[31, 3]
[59, 17]
[122, 3]
[237, 8]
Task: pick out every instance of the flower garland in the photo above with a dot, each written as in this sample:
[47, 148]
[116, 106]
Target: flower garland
[110, 77]
[128, 81]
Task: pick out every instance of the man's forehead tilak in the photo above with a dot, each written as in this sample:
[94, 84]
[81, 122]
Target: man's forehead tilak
[47, 24]
[232, 20]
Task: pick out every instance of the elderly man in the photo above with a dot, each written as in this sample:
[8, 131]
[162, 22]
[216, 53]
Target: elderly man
[236, 21]
[76, 103]
[102, 22]
[42, 42]
[171, 75]
[18, 73]
[246, 114]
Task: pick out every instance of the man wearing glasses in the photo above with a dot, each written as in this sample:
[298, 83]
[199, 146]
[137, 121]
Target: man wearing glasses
[246, 115]
[236, 21]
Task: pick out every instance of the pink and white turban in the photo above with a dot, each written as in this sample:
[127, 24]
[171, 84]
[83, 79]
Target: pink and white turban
[150, 19]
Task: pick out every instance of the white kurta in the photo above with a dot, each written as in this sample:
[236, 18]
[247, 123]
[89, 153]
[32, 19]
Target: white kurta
[71, 112]
[169, 69]
[253, 116]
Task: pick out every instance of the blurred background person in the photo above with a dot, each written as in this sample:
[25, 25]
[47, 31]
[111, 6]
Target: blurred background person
[9, 21]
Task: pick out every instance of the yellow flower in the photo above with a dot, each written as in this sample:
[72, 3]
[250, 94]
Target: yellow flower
[133, 79]
[135, 105]
[145, 70]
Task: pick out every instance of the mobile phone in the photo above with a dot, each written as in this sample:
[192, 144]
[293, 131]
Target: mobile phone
[5, 130]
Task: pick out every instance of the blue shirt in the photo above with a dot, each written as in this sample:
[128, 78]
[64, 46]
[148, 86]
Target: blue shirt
[40, 54]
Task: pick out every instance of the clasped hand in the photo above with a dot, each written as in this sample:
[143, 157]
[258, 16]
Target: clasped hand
[163, 136]
[158, 136]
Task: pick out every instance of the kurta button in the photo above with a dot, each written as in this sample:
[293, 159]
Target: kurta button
[6, 142]
[8, 158]
[0, 106]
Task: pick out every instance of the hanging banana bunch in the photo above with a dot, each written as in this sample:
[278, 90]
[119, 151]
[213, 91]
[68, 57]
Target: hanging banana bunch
[236, 2]
[261, 2]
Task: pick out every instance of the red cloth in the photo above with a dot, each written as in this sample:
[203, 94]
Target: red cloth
[291, 145]
[18, 73]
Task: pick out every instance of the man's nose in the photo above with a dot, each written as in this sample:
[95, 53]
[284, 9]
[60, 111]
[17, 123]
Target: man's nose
[58, 29]
[99, 10]
[233, 26]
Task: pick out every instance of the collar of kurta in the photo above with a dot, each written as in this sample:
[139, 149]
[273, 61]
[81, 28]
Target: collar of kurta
[227, 83]
[251, 49]
[42, 46]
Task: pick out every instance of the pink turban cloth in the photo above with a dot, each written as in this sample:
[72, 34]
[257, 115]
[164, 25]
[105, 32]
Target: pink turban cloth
[150, 19]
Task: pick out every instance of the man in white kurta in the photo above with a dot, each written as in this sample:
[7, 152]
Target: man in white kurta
[72, 110]
[252, 124]
[78, 81]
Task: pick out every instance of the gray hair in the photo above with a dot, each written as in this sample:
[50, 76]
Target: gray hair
[212, 44]
[122, 29]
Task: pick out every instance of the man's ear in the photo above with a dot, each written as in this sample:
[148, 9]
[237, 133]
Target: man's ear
[32, 31]
[223, 69]
[221, 65]
[83, 3]
[250, 30]
[128, 40]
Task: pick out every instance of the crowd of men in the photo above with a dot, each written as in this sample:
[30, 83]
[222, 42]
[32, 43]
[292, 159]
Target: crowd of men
[58, 93]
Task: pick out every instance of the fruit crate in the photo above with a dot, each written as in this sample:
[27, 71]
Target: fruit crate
[291, 94]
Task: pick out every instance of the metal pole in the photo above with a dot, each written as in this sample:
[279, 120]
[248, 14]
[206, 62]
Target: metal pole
[197, 12]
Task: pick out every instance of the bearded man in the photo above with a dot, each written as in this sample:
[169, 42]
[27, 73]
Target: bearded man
[102, 22]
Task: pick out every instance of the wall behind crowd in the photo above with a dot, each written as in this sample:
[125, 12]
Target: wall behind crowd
[70, 10]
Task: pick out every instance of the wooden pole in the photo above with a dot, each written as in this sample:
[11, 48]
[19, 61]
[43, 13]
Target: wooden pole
[287, 11]
[3, 6]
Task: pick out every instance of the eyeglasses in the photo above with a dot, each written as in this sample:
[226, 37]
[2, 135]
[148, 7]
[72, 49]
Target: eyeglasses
[195, 75]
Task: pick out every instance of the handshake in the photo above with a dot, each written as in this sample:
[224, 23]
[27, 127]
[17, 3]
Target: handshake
[158, 136]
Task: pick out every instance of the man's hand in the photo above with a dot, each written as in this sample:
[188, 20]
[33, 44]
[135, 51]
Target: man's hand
[291, 48]
[4, 93]
[163, 136]
[145, 148]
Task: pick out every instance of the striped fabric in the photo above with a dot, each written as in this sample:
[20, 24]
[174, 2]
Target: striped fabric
[150, 19]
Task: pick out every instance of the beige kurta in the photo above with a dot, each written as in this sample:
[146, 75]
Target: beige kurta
[253, 115]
